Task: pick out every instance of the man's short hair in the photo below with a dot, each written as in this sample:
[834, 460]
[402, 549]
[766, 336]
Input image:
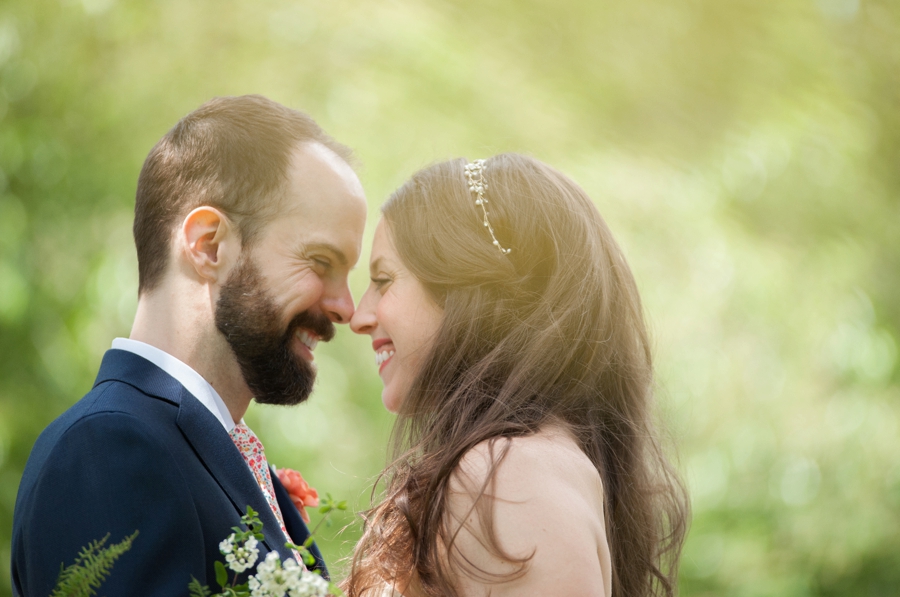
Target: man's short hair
[232, 153]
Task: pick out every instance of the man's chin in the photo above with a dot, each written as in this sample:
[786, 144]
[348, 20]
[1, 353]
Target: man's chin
[280, 400]
[289, 389]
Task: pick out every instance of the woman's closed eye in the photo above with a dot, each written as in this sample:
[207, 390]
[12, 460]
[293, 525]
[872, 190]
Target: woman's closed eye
[381, 283]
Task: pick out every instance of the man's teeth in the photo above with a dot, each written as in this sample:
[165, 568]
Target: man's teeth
[308, 339]
[381, 357]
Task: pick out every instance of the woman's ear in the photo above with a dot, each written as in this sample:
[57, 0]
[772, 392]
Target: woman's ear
[210, 242]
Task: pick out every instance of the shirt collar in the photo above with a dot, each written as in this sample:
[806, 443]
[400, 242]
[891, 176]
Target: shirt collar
[192, 381]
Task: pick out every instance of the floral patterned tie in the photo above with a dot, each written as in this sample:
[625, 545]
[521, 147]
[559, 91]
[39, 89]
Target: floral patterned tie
[255, 457]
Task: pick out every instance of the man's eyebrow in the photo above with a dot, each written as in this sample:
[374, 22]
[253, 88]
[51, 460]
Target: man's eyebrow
[328, 248]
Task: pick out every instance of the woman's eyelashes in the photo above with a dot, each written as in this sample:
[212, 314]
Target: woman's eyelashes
[381, 282]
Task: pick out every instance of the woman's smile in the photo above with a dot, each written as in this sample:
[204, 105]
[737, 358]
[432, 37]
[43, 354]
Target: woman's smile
[384, 350]
[401, 317]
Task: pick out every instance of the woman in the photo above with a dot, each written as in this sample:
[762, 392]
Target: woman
[510, 339]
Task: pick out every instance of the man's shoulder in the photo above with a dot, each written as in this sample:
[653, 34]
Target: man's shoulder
[109, 413]
[115, 399]
[112, 463]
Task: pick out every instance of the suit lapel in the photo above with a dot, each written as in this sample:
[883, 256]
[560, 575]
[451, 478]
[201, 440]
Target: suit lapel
[225, 463]
[206, 435]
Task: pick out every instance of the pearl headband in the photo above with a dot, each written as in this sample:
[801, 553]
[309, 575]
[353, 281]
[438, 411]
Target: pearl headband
[475, 176]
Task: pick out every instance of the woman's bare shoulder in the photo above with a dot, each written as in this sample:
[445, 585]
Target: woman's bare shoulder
[546, 504]
[549, 457]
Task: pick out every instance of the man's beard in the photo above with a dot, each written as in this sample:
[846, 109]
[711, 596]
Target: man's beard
[250, 321]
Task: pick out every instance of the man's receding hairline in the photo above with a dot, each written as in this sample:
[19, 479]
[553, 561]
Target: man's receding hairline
[277, 199]
[316, 147]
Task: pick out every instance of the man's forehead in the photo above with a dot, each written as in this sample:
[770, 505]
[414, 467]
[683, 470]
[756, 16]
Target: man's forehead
[318, 179]
[323, 206]
[339, 239]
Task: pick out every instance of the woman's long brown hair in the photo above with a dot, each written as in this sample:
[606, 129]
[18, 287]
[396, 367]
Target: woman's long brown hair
[551, 332]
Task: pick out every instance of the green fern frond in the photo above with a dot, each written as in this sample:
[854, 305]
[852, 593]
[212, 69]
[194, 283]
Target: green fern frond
[92, 566]
[195, 589]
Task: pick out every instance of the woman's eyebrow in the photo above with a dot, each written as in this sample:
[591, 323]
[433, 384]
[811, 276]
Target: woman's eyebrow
[375, 266]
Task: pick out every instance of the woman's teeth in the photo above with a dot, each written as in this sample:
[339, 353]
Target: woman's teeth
[381, 357]
[309, 340]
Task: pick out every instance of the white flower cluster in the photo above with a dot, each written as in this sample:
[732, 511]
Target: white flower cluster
[239, 557]
[291, 580]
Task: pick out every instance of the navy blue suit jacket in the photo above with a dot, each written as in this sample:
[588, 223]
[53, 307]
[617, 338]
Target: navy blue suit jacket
[138, 452]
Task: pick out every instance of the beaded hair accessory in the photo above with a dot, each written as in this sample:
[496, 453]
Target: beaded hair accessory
[475, 175]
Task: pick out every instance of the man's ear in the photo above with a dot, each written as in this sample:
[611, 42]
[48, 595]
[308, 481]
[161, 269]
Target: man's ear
[210, 242]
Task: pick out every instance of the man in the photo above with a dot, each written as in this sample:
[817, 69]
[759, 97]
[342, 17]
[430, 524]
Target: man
[247, 221]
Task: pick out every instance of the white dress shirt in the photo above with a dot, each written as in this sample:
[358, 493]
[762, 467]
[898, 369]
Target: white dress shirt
[192, 381]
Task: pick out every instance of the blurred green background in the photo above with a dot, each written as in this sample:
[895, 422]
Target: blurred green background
[745, 152]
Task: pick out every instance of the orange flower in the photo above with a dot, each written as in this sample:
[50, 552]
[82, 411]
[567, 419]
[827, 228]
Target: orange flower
[301, 493]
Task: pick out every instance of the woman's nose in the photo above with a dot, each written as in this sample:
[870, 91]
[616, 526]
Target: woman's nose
[363, 320]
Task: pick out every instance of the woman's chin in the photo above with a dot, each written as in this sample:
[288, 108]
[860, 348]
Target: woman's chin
[390, 400]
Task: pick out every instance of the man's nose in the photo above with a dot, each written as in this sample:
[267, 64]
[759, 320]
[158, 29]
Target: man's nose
[337, 304]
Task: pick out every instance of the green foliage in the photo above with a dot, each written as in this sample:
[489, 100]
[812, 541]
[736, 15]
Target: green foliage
[328, 506]
[221, 574]
[92, 566]
[252, 528]
[197, 590]
[743, 152]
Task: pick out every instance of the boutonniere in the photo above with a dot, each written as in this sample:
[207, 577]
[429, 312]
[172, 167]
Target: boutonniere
[301, 493]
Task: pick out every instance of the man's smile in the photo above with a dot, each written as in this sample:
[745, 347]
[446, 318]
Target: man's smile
[309, 340]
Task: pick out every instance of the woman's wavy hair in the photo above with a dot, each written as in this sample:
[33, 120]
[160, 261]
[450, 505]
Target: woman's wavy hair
[552, 332]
